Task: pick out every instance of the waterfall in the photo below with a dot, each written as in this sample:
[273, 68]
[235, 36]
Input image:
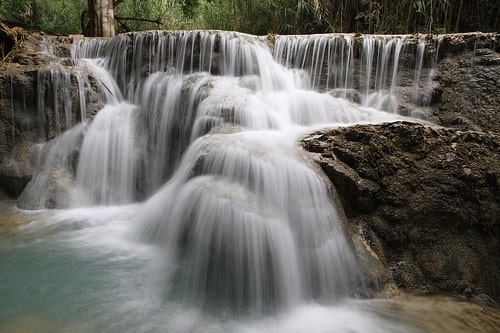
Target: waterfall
[366, 70]
[421, 90]
[52, 181]
[105, 173]
[252, 224]
[13, 113]
[202, 127]
[54, 94]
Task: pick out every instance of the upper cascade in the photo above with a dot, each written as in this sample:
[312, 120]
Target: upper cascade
[364, 68]
[171, 87]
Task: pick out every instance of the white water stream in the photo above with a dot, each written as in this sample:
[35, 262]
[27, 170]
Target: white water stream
[236, 231]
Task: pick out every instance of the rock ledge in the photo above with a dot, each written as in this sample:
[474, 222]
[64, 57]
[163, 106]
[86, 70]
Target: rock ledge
[425, 199]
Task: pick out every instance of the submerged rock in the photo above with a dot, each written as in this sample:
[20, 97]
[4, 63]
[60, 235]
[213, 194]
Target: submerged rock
[425, 199]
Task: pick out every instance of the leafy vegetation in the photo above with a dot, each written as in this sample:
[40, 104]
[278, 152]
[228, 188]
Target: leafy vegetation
[51, 16]
[264, 16]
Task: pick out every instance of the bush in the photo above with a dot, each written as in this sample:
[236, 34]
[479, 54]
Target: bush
[263, 16]
[54, 17]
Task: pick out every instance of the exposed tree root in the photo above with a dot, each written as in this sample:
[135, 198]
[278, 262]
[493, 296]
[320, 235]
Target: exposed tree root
[9, 37]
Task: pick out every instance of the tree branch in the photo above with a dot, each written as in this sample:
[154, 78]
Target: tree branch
[157, 21]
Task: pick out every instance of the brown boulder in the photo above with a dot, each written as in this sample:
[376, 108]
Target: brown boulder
[425, 199]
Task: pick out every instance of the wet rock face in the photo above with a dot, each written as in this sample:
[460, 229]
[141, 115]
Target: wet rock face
[31, 111]
[425, 199]
[469, 82]
[461, 92]
[18, 129]
[40, 92]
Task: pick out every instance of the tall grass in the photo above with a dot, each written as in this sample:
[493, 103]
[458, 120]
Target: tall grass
[266, 16]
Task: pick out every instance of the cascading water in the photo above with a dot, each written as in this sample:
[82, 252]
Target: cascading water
[203, 126]
[105, 173]
[54, 90]
[65, 96]
[52, 182]
[368, 73]
[251, 225]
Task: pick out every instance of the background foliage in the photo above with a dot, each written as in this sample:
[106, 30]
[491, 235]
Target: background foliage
[264, 16]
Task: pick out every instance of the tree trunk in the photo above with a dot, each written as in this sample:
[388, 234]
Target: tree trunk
[102, 18]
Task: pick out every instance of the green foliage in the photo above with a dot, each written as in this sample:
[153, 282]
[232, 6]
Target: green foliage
[189, 7]
[370, 16]
[60, 17]
[217, 15]
[264, 16]
[129, 11]
[18, 11]
[54, 17]
[253, 17]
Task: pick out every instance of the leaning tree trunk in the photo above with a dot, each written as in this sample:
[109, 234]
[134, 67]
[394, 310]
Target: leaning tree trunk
[102, 18]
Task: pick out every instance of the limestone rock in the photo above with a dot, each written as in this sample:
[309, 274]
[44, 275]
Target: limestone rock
[425, 199]
[470, 90]
[41, 93]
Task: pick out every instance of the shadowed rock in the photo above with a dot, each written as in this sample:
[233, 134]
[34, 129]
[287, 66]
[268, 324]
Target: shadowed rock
[425, 200]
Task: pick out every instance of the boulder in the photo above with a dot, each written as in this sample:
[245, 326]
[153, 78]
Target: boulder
[469, 89]
[425, 199]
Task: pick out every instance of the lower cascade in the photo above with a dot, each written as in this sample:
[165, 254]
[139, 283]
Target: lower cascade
[252, 225]
[194, 154]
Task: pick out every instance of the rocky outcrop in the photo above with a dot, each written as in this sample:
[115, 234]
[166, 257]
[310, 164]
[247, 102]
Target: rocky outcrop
[41, 93]
[17, 128]
[426, 201]
[463, 73]
[468, 75]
